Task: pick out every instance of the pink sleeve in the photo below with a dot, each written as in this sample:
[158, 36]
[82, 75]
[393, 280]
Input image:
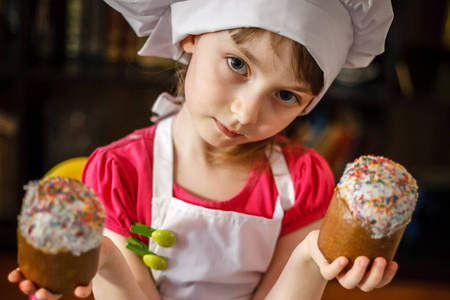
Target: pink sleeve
[314, 187]
[104, 174]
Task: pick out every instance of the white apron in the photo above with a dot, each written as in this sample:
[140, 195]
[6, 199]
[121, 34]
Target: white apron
[218, 254]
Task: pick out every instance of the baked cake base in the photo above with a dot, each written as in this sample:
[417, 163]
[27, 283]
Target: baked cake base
[59, 273]
[341, 234]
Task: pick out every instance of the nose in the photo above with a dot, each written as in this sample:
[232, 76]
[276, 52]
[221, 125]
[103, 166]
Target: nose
[247, 107]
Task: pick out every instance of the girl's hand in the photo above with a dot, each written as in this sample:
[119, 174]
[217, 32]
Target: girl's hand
[378, 275]
[28, 287]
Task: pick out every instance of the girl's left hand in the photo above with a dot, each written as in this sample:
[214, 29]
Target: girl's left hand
[379, 274]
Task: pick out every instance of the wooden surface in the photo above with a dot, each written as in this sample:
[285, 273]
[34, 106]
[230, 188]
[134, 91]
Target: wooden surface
[396, 290]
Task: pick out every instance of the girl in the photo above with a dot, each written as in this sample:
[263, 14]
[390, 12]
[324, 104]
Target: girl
[244, 203]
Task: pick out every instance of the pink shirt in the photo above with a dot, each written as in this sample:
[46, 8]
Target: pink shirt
[121, 175]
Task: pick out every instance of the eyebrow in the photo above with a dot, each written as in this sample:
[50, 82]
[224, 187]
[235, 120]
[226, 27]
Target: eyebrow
[246, 52]
[250, 56]
[302, 89]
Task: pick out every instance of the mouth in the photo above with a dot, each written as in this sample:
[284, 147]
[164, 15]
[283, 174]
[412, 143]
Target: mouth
[226, 131]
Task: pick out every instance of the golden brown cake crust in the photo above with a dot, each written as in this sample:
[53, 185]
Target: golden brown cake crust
[60, 273]
[341, 234]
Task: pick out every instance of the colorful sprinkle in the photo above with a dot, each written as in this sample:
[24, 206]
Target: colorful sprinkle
[380, 192]
[61, 214]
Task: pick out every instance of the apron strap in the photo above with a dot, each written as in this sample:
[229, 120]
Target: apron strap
[283, 182]
[163, 159]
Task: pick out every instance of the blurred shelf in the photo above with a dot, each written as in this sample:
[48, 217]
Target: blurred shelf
[113, 73]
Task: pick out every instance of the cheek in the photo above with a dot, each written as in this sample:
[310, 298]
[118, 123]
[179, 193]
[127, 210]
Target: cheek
[278, 122]
[204, 85]
[213, 78]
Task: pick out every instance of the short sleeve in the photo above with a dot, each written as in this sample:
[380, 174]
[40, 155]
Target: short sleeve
[314, 186]
[106, 175]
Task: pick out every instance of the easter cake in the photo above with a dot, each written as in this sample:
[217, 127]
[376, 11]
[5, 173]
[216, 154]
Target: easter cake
[371, 206]
[59, 233]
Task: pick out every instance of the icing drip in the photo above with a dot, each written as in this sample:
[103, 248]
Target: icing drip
[61, 214]
[380, 192]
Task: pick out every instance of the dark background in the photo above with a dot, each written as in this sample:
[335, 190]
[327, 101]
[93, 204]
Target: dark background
[70, 81]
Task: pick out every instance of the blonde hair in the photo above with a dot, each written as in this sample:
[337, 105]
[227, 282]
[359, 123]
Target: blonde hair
[305, 68]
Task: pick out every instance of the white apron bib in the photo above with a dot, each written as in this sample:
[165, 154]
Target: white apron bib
[218, 254]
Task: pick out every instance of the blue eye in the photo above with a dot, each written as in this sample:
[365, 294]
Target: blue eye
[287, 97]
[237, 65]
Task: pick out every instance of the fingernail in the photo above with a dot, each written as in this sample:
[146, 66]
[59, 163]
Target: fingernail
[24, 290]
[342, 262]
[393, 268]
[380, 263]
[363, 263]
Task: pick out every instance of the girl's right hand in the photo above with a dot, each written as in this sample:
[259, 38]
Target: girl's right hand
[29, 288]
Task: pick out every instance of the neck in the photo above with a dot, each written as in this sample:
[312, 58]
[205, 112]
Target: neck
[187, 142]
[195, 171]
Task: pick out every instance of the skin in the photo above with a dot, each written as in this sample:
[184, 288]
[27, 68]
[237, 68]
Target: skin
[234, 94]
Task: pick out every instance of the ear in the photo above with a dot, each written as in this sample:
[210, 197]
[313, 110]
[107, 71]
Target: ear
[188, 43]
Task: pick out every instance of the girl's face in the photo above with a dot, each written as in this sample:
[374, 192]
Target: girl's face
[241, 93]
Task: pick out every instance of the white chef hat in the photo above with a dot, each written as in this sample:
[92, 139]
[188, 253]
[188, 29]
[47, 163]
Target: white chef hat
[337, 33]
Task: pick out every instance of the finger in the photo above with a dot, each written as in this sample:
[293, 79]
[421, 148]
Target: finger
[374, 276]
[389, 273]
[15, 276]
[354, 276]
[27, 287]
[330, 271]
[43, 294]
[83, 291]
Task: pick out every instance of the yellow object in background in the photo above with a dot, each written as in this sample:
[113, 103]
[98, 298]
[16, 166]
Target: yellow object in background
[446, 35]
[71, 168]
